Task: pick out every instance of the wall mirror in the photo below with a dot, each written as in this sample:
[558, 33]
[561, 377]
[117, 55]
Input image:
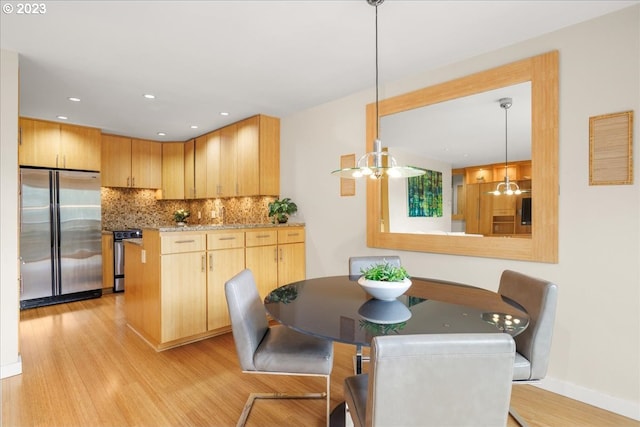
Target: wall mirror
[535, 77]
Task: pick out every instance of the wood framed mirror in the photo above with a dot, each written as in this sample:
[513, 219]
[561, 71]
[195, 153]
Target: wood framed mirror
[542, 73]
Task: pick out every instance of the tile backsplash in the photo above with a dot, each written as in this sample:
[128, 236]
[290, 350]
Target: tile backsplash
[138, 208]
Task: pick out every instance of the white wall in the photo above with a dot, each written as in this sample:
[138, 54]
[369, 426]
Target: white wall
[9, 314]
[596, 347]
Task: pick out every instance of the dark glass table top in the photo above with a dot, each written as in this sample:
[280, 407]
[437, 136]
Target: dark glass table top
[337, 308]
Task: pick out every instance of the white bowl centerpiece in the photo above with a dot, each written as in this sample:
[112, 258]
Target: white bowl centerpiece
[385, 281]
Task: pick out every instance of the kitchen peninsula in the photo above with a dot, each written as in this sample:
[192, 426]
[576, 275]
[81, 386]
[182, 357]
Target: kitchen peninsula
[175, 276]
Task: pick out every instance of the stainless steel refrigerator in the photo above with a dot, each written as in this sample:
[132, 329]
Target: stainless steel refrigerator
[60, 236]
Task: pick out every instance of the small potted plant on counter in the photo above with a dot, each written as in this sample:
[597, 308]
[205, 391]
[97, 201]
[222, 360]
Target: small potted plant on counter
[180, 216]
[384, 281]
[279, 210]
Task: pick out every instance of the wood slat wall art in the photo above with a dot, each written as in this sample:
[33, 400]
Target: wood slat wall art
[347, 185]
[610, 149]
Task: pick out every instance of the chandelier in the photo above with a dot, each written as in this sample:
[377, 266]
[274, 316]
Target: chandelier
[506, 187]
[372, 164]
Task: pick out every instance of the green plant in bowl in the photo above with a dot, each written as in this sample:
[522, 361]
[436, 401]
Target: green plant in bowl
[384, 281]
[385, 272]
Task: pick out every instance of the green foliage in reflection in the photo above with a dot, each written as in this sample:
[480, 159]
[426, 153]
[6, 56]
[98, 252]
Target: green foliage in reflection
[283, 294]
[381, 329]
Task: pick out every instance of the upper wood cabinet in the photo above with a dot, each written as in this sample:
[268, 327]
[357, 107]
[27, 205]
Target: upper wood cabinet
[189, 169]
[242, 159]
[58, 145]
[173, 175]
[228, 162]
[130, 162]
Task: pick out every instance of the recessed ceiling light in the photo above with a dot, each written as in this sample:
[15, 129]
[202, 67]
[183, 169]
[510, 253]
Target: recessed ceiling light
[74, 99]
[149, 96]
[162, 134]
[63, 117]
[224, 113]
[194, 126]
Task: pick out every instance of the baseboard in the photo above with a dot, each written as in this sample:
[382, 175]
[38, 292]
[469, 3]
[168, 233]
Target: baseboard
[11, 369]
[616, 405]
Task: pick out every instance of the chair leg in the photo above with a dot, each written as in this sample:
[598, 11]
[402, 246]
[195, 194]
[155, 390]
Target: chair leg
[358, 359]
[253, 396]
[517, 417]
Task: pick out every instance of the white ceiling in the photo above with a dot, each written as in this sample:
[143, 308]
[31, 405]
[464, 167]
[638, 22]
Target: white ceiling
[246, 57]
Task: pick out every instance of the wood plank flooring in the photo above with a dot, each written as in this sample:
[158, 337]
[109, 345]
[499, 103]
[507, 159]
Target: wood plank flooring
[82, 366]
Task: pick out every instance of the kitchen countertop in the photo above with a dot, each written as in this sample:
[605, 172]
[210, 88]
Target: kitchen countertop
[205, 227]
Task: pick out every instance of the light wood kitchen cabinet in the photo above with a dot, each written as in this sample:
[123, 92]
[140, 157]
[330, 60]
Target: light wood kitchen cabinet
[134, 163]
[183, 281]
[276, 257]
[261, 257]
[189, 172]
[146, 164]
[243, 159]
[228, 162]
[58, 145]
[213, 162]
[173, 170]
[107, 263]
[291, 255]
[225, 259]
[200, 168]
[478, 208]
[175, 280]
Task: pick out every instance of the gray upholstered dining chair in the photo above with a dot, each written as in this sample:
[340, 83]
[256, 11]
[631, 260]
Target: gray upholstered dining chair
[265, 349]
[358, 263]
[539, 298]
[434, 379]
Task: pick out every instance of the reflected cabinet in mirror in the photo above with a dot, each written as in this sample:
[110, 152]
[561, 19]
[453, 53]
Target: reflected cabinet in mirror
[458, 131]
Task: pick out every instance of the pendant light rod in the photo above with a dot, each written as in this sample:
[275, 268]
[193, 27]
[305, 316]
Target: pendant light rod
[506, 103]
[376, 3]
[371, 164]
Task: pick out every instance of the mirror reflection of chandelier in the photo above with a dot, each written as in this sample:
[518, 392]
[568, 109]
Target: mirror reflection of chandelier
[506, 187]
[372, 164]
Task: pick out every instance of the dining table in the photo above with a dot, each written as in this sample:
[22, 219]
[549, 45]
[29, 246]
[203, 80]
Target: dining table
[337, 308]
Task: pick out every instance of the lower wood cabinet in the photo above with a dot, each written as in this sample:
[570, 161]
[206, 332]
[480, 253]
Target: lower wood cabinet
[175, 280]
[276, 257]
[225, 258]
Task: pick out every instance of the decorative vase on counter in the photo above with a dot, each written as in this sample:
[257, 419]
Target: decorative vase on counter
[181, 224]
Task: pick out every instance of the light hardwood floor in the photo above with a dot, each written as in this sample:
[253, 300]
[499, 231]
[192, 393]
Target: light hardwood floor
[82, 366]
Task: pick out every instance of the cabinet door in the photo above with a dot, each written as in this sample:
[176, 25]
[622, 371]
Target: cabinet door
[184, 295]
[107, 261]
[248, 157]
[213, 164]
[222, 266]
[269, 156]
[146, 164]
[80, 147]
[189, 169]
[116, 161]
[200, 167]
[486, 208]
[472, 211]
[228, 175]
[263, 262]
[291, 263]
[39, 143]
[172, 170]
